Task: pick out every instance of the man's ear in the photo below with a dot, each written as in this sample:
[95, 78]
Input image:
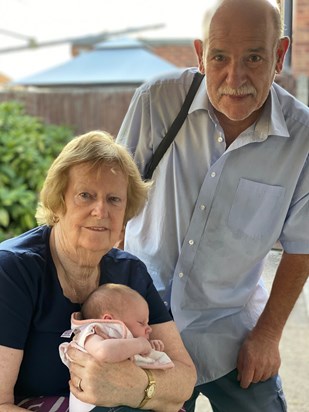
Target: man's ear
[199, 51]
[107, 316]
[282, 48]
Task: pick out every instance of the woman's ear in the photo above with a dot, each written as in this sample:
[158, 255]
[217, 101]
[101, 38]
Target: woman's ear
[199, 51]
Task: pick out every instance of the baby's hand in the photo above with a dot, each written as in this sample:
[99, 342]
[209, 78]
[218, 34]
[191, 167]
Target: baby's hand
[157, 344]
[146, 347]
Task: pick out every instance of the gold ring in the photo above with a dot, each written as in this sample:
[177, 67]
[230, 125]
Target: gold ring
[79, 385]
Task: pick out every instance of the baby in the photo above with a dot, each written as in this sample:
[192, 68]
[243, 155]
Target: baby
[113, 326]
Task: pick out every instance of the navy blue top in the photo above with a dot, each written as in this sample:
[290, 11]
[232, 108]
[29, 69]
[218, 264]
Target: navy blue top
[34, 312]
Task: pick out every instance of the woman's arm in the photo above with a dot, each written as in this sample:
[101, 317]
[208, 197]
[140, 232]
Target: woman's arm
[123, 383]
[10, 360]
[116, 350]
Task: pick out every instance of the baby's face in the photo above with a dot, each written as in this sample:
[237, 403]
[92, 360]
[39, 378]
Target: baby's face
[136, 319]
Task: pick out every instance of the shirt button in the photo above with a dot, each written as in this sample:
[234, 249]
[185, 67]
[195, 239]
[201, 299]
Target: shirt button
[202, 207]
[180, 275]
[191, 242]
[213, 174]
[220, 139]
[166, 303]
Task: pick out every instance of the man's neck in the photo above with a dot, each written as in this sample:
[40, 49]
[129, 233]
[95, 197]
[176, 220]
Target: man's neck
[232, 129]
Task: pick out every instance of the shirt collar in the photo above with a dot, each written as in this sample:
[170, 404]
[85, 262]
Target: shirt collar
[277, 123]
[200, 100]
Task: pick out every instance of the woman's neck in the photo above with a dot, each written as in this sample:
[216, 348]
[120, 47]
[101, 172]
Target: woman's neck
[77, 278]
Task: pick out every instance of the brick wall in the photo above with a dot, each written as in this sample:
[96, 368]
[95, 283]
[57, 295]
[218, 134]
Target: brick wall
[4, 79]
[179, 52]
[300, 45]
[182, 54]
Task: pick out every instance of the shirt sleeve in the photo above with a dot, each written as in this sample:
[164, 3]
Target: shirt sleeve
[17, 299]
[295, 234]
[135, 131]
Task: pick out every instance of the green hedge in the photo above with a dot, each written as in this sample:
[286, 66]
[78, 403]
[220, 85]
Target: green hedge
[27, 148]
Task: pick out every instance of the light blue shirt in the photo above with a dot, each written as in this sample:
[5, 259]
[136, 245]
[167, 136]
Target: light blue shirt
[215, 212]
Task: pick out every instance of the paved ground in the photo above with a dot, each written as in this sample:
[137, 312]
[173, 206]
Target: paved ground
[294, 349]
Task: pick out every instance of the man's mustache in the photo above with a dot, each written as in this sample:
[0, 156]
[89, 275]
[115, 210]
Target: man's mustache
[240, 91]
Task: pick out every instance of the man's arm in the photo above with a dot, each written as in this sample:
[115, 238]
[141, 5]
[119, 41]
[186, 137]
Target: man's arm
[116, 350]
[259, 357]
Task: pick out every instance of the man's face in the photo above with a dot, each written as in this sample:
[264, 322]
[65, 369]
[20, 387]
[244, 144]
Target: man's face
[239, 60]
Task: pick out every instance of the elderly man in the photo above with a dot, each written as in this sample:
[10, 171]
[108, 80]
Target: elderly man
[234, 181]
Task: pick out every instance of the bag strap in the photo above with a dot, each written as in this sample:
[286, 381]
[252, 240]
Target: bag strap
[176, 125]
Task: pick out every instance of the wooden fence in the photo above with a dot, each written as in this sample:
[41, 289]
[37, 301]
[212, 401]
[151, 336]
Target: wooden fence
[83, 109]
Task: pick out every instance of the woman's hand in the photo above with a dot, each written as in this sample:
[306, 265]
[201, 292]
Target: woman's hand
[105, 384]
[124, 383]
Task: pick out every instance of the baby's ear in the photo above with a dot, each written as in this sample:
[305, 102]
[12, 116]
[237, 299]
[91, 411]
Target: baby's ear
[107, 316]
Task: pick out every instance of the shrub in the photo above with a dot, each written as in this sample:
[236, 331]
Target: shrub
[27, 148]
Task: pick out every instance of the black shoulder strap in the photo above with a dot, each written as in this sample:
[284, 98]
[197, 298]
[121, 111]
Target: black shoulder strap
[176, 125]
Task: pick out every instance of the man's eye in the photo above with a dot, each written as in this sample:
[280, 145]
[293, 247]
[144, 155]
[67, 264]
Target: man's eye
[254, 58]
[219, 58]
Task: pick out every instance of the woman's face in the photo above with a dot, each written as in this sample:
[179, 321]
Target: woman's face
[95, 201]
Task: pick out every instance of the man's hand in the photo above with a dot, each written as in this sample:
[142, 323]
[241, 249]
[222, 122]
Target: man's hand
[258, 359]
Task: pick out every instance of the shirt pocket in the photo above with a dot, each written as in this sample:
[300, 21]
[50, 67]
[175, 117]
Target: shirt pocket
[256, 208]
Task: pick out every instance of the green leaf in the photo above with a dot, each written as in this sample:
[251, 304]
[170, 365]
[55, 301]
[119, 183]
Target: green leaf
[27, 148]
[4, 218]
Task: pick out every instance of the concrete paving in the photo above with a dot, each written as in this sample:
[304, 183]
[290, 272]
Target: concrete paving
[294, 348]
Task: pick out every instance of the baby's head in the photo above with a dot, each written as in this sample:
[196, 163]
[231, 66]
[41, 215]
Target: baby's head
[119, 302]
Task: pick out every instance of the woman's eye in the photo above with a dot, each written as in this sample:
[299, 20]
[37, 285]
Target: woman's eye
[83, 197]
[115, 199]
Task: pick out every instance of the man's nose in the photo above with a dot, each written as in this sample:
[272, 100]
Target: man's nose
[236, 74]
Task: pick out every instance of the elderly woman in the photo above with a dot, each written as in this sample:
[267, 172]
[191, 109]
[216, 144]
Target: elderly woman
[91, 190]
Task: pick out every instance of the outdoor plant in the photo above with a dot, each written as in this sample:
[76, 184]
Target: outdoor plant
[27, 148]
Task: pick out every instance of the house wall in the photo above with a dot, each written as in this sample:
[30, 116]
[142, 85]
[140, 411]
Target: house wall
[4, 79]
[81, 109]
[182, 55]
[300, 37]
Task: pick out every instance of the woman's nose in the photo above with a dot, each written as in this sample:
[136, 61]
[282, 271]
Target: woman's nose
[100, 209]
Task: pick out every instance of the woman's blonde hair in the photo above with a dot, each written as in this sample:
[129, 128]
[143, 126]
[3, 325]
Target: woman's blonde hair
[96, 148]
